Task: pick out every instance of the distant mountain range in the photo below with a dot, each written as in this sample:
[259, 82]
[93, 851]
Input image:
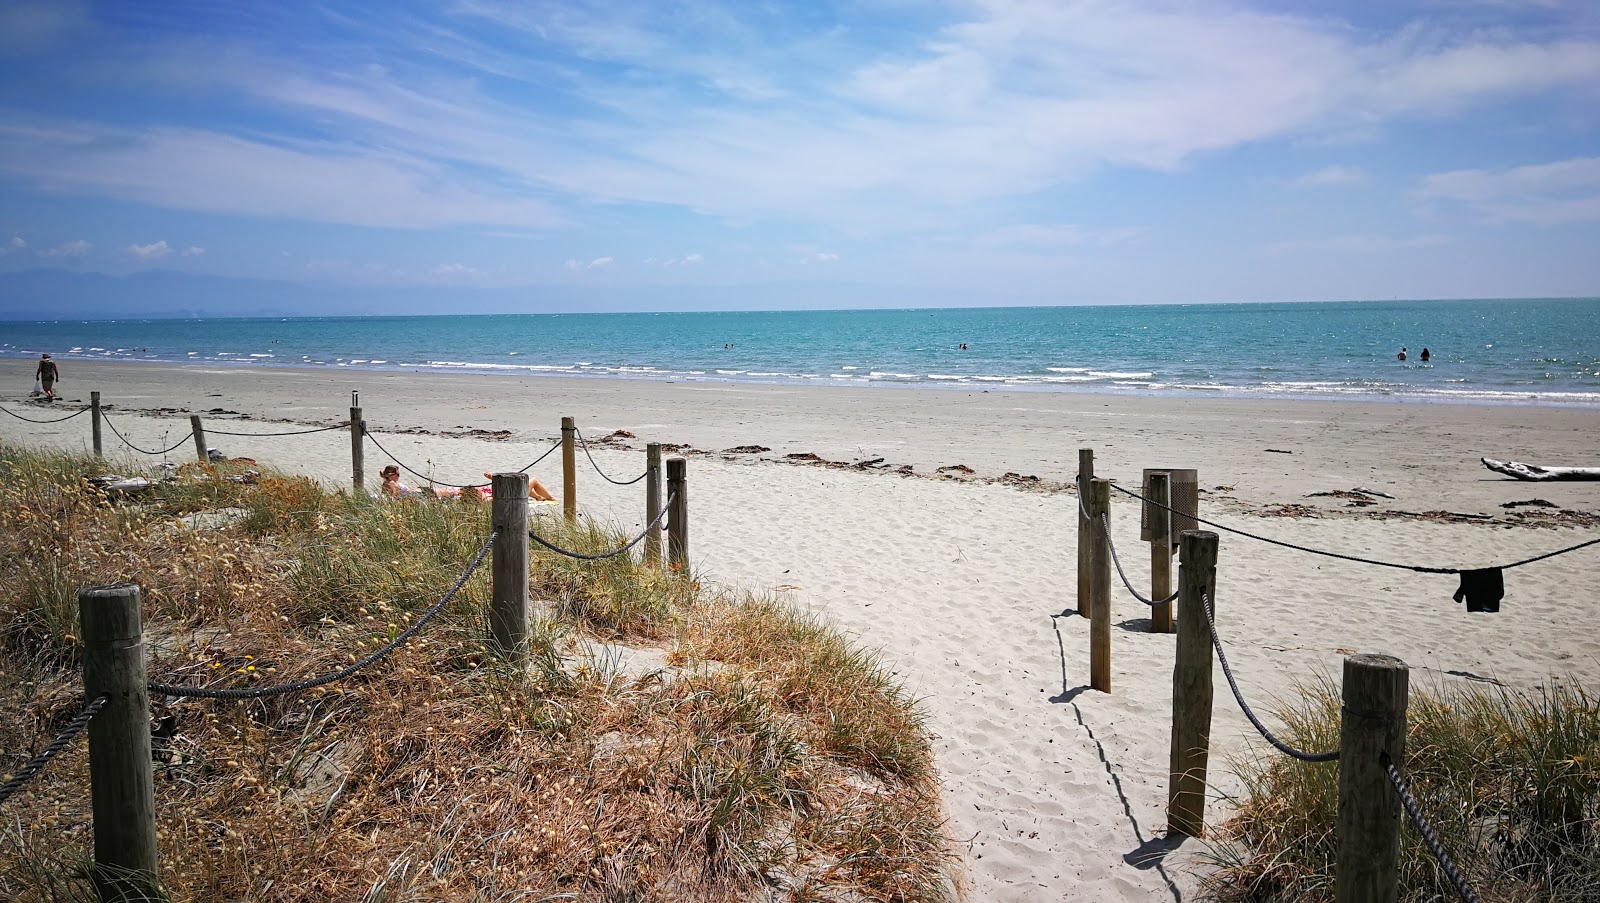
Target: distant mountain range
[52, 294]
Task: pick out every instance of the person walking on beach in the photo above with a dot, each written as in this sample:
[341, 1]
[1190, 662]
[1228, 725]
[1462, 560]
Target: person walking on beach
[1402, 355]
[47, 373]
[1425, 356]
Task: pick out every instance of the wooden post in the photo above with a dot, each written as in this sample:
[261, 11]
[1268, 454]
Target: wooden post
[508, 607]
[121, 778]
[94, 418]
[1376, 688]
[678, 514]
[199, 438]
[1160, 551]
[652, 502]
[358, 438]
[1191, 686]
[569, 469]
[1085, 474]
[1099, 587]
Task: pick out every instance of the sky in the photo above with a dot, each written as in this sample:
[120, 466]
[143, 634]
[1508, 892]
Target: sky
[1013, 151]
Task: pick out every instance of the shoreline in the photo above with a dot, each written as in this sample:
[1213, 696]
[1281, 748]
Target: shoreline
[1025, 384]
[964, 587]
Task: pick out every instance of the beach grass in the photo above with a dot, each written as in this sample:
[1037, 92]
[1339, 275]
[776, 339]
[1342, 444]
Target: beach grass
[1509, 779]
[757, 752]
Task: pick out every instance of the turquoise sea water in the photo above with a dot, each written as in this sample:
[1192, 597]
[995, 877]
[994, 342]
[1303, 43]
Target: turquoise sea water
[1511, 352]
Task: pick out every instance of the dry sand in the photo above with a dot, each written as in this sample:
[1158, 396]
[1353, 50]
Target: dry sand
[966, 586]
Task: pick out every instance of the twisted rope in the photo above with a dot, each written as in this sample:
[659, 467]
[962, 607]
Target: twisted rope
[1356, 558]
[37, 763]
[661, 515]
[1222, 657]
[143, 451]
[1429, 837]
[52, 420]
[1105, 524]
[320, 429]
[342, 673]
[585, 443]
[524, 469]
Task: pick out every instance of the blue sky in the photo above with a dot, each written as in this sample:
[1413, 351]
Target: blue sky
[1034, 152]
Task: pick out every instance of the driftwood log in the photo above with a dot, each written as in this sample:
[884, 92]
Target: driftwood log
[1535, 473]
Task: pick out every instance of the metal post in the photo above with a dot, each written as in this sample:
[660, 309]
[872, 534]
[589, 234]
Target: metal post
[199, 438]
[678, 514]
[508, 608]
[94, 418]
[121, 777]
[1085, 474]
[1160, 551]
[569, 469]
[1376, 688]
[652, 502]
[1191, 686]
[358, 430]
[1099, 586]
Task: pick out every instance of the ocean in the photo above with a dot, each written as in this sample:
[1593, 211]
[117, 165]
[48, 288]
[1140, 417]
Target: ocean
[1523, 352]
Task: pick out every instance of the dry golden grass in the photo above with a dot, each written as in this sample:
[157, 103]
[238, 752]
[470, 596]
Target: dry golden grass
[766, 758]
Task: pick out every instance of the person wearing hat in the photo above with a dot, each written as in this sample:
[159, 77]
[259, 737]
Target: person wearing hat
[47, 374]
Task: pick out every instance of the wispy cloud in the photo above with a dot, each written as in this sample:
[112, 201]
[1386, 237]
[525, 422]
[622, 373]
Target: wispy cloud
[17, 243]
[1330, 176]
[152, 251]
[717, 109]
[598, 263]
[193, 251]
[1546, 194]
[1357, 243]
[71, 249]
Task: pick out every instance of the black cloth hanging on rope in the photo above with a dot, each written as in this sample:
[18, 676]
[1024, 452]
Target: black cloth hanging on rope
[1483, 589]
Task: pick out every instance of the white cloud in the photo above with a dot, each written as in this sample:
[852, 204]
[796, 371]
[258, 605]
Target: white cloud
[17, 243]
[1330, 176]
[210, 172]
[599, 263]
[456, 271]
[77, 248]
[153, 251]
[688, 260]
[820, 257]
[1357, 242]
[192, 251]
[1547, 194]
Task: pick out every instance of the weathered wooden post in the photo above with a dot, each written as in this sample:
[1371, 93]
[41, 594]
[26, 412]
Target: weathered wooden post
[1100, 586]
[569, 469]
[199, 432]
[678, 514]
[358, 430]
[1376, 690]
[94, 418]
[121, 778]
[508, 606]
[1191, 685]
[1085, 474]
[652, 502]
[1160, 551]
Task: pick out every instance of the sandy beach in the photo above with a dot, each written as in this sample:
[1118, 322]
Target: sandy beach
[964, 581]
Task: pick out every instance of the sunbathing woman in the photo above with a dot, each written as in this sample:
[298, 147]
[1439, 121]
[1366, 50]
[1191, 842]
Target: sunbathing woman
[393, 488]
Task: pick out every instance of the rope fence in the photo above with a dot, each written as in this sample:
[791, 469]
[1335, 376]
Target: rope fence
[1429, 836]
[52, 420]
[143, 451]
[653, 525]
[213, 431]
[35, 765]
[421, 476]
[1422, 569]
[342, 673]
[1227, 671]
[585, 443]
